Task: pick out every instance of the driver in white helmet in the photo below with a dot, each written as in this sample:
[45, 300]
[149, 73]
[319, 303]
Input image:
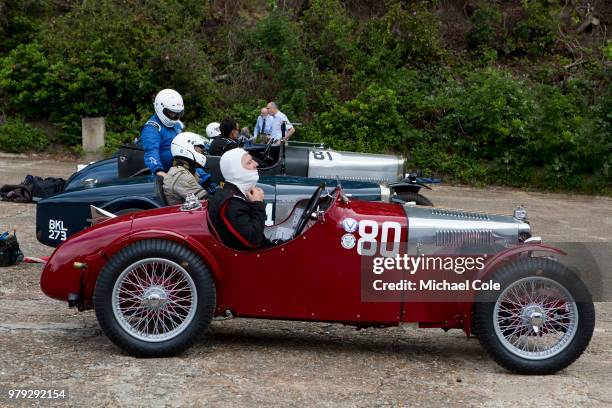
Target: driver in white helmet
[213, 129]
[182, 180]
[237, 211]
[158, 132]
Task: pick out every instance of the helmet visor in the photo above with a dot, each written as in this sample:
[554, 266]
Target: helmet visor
[173, 115]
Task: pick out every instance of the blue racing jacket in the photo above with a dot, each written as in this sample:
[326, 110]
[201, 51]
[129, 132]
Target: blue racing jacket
[155, 139]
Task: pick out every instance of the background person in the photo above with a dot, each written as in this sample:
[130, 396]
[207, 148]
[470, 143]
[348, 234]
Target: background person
[228, 139]
[160, 129]
[237, 211]
[278, 119]
[244, 138]
[263, 125]
[181, 180]
[213, 130]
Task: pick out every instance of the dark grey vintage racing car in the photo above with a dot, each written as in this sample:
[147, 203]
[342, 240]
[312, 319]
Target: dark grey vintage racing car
[292, 160]
[289, 174]
[68, 212]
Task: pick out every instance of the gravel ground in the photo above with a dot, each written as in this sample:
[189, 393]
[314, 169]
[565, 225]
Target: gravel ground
[248, 363]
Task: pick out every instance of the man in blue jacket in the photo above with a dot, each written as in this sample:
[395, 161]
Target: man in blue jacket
[157, 134]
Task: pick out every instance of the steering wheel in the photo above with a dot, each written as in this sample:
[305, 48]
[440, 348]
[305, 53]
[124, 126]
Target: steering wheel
[312, 203]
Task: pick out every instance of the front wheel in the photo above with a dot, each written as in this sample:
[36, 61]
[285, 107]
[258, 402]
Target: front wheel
[540, 321]
[419, 199]
[154, 298]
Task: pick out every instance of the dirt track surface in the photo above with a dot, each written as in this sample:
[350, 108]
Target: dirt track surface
[244, 362]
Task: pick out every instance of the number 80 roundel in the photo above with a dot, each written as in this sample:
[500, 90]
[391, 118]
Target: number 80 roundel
[372, 235]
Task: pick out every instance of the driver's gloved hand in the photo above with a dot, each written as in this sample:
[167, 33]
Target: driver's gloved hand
[206, 181]
[212, 188]
[203, 176]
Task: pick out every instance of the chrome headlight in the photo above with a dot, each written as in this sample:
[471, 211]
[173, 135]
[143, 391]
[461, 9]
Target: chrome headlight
[524, 231]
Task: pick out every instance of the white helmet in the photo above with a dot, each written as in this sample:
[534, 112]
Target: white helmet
[169, 107]
[212, 130]
[183, 146]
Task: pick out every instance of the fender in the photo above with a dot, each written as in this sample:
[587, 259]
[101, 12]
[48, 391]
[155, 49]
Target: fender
[410, 187]
[122, 203]
[503, 256]
[131, 237]
[496, 261]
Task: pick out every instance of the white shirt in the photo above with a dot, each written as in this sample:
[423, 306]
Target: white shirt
[277, 121]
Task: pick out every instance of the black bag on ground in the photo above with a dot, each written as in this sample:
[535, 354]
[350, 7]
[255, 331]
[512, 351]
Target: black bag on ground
[18, 193]
[10, 253]
[130, 161]
[32, 187]
[47, 187]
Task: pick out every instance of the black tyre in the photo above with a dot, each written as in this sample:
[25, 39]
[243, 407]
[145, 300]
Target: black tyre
[540, 321]
[416, 197]
[154, 298]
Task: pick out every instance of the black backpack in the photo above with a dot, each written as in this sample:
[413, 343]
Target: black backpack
[10, 253]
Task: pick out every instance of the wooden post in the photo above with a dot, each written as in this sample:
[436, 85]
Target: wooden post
[93, 132]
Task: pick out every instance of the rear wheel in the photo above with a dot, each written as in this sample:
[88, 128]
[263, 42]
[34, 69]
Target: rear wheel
[540, 321]
[419, 199]
[154, 298]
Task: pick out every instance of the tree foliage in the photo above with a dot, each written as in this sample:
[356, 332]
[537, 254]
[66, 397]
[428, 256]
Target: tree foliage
[482, 92]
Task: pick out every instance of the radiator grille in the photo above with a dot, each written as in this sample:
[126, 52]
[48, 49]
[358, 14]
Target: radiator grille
[460, 214]
[455, 238]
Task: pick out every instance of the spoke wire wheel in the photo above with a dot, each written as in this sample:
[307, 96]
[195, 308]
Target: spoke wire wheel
[154, 299]
[541, 320]
[535, 318]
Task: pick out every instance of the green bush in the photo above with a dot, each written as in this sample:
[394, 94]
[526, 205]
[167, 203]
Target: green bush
[503, 92]
[17, 136]
[20, 21]
[22, 80]
[112, 68]
[407, 35]
[329, 36]
[536, 34]
[369, 123]
[532, 34]
[489, 33]
[272, 53]
[487, 112]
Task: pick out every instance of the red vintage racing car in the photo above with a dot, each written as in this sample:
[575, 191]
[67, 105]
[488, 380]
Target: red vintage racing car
[157, 278]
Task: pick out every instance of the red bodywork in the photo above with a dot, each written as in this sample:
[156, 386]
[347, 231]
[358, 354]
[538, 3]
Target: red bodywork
[309, 278]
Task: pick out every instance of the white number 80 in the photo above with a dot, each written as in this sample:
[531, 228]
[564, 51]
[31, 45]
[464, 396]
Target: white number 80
[367, 244]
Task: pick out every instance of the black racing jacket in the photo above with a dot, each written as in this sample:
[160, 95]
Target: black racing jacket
[221, 145]
[239, 223]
